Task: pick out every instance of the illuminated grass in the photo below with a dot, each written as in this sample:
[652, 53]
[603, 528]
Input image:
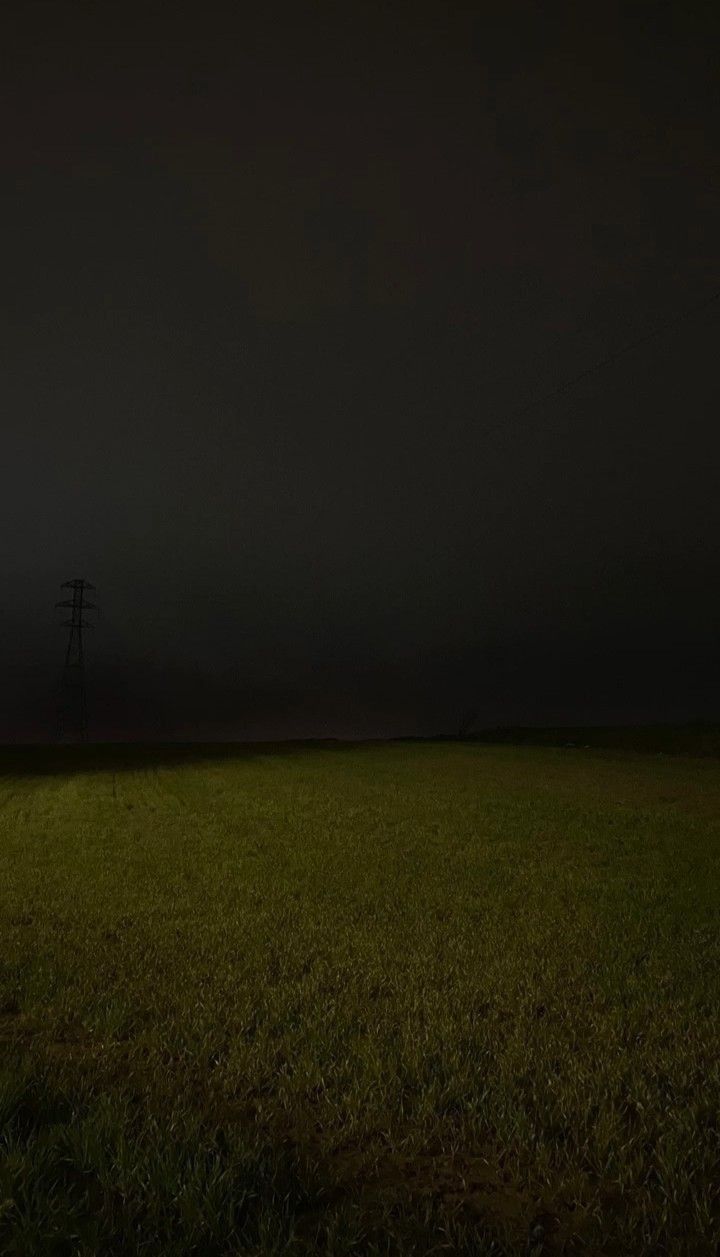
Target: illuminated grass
[360, 1000]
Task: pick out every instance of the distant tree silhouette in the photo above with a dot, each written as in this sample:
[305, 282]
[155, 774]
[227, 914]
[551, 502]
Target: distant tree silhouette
[467, 722]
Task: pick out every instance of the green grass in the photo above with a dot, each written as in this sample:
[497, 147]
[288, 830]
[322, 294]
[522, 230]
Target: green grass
[402, 998]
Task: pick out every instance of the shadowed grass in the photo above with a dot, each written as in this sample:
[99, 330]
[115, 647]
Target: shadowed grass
[358, 1000]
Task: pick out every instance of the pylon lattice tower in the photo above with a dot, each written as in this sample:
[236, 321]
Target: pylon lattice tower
[72, 698]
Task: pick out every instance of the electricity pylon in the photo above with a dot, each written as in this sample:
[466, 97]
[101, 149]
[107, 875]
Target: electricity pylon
[72, 698]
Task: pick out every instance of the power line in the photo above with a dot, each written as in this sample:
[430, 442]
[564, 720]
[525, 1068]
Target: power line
[660, 330]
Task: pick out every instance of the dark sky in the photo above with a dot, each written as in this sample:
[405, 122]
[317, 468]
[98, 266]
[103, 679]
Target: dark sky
[278, 287]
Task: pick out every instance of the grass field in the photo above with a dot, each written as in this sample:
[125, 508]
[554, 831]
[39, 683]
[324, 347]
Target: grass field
[401, 998]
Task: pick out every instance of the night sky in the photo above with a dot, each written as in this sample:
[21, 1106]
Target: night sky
[287, 297]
